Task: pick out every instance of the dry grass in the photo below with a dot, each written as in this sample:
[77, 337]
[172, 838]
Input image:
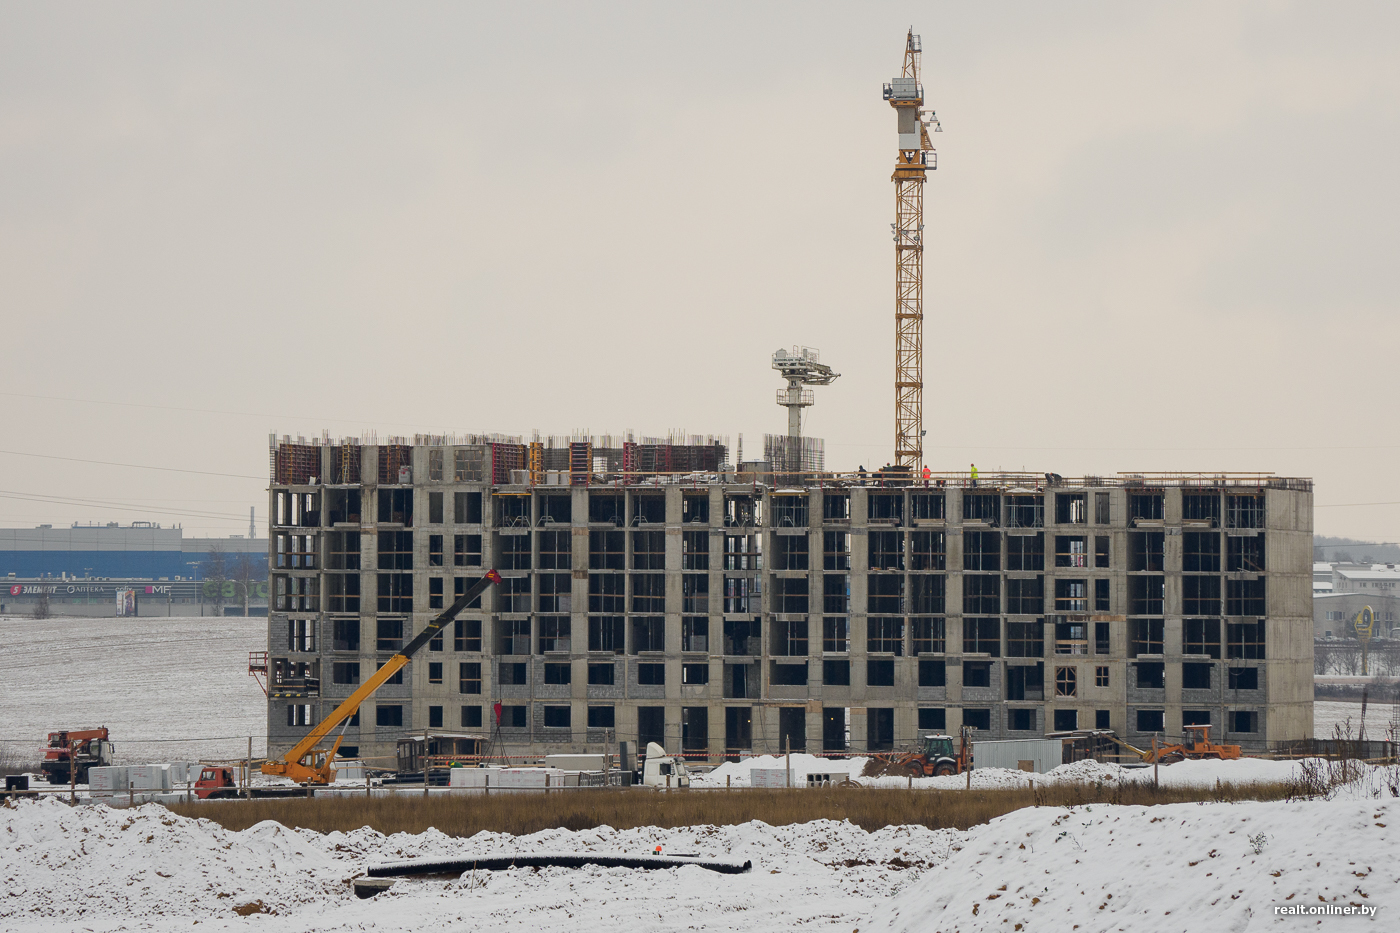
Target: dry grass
[584, 809]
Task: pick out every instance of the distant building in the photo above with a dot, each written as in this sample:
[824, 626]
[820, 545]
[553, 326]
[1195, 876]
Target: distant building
[80, 569]
[1353, 587]
[139, 550]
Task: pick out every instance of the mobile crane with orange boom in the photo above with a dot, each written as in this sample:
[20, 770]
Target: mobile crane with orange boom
[306, 762]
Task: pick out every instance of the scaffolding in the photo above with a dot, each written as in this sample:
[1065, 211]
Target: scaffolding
[394, 459]
[345, 464]
[506, 458]
[536, 463]
[295, 464]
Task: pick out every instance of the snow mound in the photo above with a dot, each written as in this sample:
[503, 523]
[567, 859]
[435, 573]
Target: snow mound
[144, 868]
[1176, 867]
[68, 863]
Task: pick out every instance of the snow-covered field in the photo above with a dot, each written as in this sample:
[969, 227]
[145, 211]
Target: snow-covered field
[1180, 867]
[149, 680]
[1328, 714]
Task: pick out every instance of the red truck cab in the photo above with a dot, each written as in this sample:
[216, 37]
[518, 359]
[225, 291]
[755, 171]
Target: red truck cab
[215, 783]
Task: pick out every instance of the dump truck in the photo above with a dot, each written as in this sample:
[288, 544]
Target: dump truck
[72, 752]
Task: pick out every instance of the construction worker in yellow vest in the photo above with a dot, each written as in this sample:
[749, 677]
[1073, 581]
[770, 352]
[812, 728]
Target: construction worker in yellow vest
[974, 474]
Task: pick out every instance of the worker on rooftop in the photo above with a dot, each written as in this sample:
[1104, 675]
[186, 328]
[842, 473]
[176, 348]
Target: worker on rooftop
[974, 474]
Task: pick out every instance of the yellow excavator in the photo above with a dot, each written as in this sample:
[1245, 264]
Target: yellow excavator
[307, 764]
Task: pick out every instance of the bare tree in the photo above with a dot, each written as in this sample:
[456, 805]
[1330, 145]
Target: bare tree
[1385, 657]
[1322, 657]
[1348, 658]
[215, 571]
[245, 577]
[41, 605]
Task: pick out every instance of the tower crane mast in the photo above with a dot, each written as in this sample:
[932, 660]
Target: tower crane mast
[916, 156]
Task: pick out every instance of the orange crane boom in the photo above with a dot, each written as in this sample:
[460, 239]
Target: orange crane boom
[307, 764]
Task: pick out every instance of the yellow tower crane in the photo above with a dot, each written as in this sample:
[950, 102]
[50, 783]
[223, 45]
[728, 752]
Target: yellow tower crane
[916, 157]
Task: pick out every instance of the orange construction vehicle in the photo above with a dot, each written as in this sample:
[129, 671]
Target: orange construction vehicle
[936, 757]
[1196, 745]
[75, 751]
[217, 782]
[308, 763]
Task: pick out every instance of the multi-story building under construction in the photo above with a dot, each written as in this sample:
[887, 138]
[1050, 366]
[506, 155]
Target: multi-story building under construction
[652, 592]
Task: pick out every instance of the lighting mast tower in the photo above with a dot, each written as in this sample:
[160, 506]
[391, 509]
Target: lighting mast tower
[916, 156]
[801, 367]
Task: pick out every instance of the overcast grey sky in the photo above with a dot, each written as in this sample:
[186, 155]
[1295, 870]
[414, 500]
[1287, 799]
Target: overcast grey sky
[1160, 237]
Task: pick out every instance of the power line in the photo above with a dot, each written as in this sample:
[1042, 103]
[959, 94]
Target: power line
[255, 640]
[129, 741]
[114, 506]
[1358, 544]
[195, 411]
[134, 466]
[1144, 449]
[211, 411]
[1348, 505]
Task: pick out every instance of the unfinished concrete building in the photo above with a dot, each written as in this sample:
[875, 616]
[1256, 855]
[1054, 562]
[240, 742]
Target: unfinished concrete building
[653, 592]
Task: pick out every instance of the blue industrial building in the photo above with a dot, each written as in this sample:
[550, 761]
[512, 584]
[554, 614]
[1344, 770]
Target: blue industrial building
[142, 550]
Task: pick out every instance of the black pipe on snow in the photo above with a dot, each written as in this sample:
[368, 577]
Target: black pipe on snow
[447, 866]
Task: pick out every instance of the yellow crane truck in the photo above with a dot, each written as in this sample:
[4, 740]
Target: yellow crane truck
[305, 762]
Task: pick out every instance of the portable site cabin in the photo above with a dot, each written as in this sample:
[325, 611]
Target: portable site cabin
[1095, 744]
[1052, 750]
[437, 752]
[1038, 755]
